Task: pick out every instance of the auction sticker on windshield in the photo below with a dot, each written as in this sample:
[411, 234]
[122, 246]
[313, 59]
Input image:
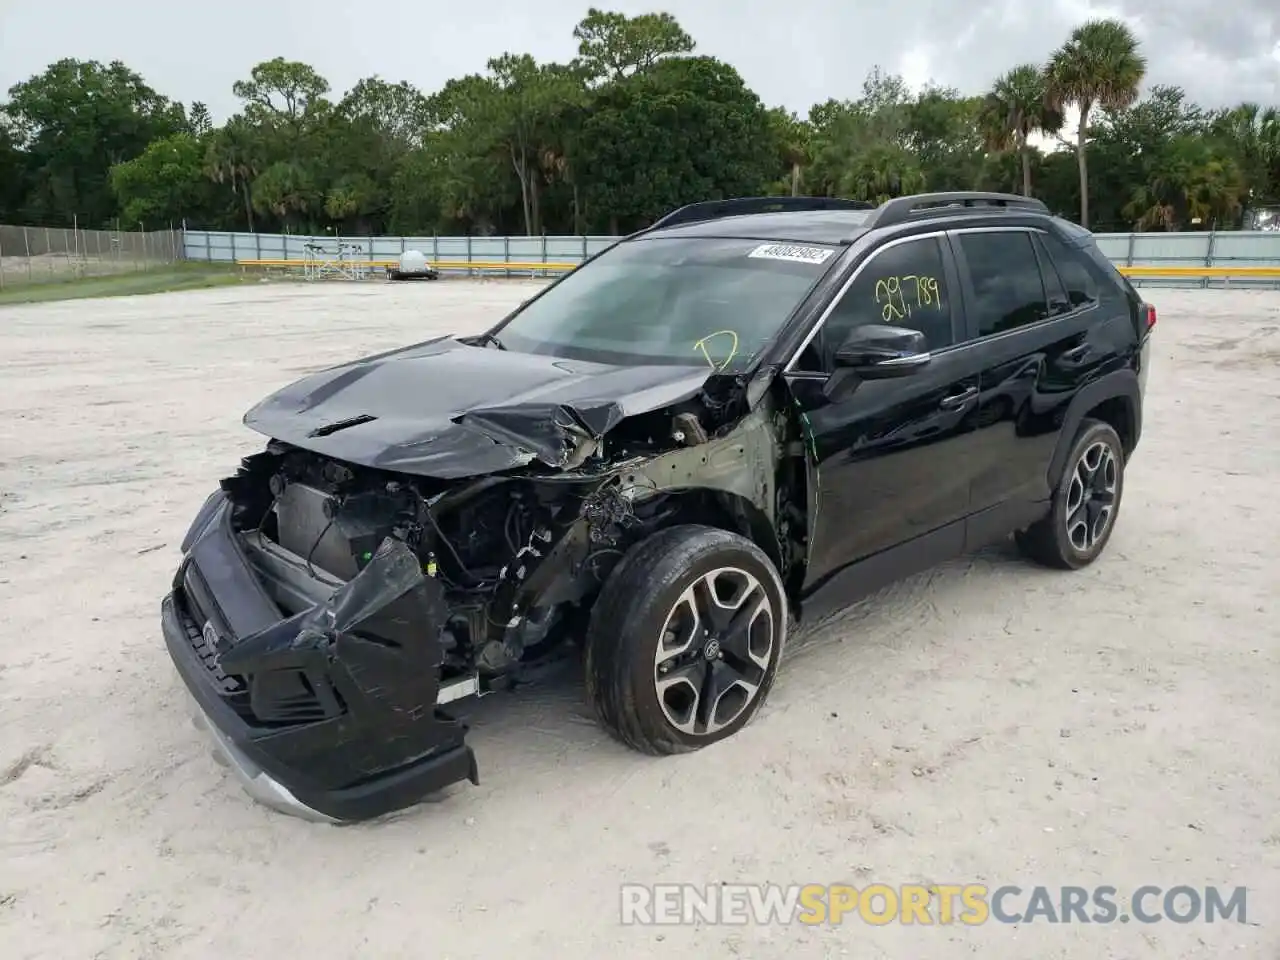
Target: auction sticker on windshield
[792, 252]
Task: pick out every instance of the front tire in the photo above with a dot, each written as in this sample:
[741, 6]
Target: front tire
[685, 640]
[1086, 503]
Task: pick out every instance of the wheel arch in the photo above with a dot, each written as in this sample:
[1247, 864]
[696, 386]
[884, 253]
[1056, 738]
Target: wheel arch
[1115, 399]
[729, 511]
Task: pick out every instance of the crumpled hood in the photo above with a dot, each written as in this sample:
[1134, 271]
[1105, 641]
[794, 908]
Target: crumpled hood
[448, 410]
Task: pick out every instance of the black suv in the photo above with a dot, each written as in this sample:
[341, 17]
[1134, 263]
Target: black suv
[741, 417]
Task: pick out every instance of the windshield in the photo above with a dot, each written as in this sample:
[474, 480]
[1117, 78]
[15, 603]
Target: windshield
[671, 301]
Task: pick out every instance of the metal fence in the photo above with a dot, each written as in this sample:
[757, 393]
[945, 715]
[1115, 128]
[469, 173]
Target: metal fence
[240, 247]
[51, 254]
[1234, 248]
[490, 254]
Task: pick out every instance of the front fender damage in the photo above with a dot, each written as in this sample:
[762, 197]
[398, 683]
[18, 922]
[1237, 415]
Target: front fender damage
[730, 478]
[480, 578]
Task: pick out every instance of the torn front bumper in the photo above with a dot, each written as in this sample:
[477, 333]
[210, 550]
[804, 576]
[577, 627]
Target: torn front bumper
[329, 714]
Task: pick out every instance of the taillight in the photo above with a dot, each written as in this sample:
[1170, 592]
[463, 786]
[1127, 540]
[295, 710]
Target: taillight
[1149, 312]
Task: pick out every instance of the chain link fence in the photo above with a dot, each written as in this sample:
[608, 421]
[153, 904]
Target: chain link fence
[52, 254]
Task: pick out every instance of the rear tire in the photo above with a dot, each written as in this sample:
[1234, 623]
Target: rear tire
[685, 640]
[1086, 503]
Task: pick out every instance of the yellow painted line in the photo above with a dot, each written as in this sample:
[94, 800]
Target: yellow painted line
[438, 264]
[1225, 272]
[552, 266]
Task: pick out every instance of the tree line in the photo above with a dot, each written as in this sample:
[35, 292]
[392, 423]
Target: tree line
[636, 124]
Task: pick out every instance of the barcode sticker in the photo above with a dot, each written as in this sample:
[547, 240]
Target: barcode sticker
[792, 252]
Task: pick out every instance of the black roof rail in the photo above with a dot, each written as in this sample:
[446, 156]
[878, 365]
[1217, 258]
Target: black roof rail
[743, 206]
[922, 205]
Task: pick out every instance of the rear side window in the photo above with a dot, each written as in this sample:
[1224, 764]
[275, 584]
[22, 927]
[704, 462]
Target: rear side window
[1053, 287]
[1005, 274]
[1082, 288]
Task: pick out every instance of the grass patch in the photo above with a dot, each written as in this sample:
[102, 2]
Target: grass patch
[163, 278]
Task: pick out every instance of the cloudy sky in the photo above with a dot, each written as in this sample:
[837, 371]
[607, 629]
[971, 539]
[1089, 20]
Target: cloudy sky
[792, 53]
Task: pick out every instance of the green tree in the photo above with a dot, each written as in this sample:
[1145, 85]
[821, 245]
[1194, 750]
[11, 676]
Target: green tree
[198, 120]
[862, 148]
[1187, 185]
[681, 130]
[397, 112]
[286, 190]
[793, 137]
[1016, 109]
[281, 91]
[1250, 133]
[234, 156]
[165, 183]
[943, 134]
[1099, 66]
[13, 174]
[612, 45]
[513, 112]
[74, 122]
[1134, 146]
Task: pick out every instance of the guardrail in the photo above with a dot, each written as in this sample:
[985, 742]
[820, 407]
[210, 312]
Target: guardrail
[1223, 273]
[1248, 259]
[1137, 272]
[517, 266]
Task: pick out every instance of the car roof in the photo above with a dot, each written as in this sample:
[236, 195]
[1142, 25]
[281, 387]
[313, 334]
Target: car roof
[835, 221]
[817, 226]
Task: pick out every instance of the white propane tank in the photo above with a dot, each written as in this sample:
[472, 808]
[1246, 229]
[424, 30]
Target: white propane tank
[413, 262]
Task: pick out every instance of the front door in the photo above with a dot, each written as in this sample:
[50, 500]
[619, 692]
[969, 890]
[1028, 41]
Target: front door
[888, 460]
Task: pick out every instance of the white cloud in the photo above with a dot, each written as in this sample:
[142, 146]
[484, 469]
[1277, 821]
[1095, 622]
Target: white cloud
[793, 54]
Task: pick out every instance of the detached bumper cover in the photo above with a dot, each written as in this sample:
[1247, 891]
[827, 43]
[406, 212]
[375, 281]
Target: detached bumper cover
[330, 714]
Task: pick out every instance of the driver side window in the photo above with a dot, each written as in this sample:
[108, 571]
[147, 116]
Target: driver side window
[903, 285]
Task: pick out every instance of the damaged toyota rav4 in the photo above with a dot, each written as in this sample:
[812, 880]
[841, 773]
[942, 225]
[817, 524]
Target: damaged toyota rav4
[736, 420]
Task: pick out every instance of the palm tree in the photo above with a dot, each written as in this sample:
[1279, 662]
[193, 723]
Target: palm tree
[1016, 108]
[1189, 184]
[233, 157]
[1099, 66]
[1252, 134]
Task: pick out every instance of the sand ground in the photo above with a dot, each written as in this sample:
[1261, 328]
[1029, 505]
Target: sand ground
[990, 722]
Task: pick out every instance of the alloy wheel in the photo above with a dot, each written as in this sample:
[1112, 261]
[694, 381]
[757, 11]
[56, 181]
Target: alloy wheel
[714, 651]
[1091, 496]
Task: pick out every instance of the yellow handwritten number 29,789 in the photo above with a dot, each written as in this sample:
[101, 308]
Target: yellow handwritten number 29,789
[896, 304]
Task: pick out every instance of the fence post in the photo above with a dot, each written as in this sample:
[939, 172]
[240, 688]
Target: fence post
[1208, 254]
[435, 248]
[26, 244]
[506, 255]
[470, 272]
[1, 266]
[584, 247]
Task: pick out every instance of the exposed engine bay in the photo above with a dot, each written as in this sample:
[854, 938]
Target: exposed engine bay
[521, 554]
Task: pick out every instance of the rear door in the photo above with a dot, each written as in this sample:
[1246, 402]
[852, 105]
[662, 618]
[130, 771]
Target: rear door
[1034, 335]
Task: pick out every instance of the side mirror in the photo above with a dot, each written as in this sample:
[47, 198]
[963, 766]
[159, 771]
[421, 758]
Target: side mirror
[876, 352]
[881, 352]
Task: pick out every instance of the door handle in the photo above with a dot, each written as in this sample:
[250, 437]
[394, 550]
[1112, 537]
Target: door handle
[1077, 354]
[957, 400]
